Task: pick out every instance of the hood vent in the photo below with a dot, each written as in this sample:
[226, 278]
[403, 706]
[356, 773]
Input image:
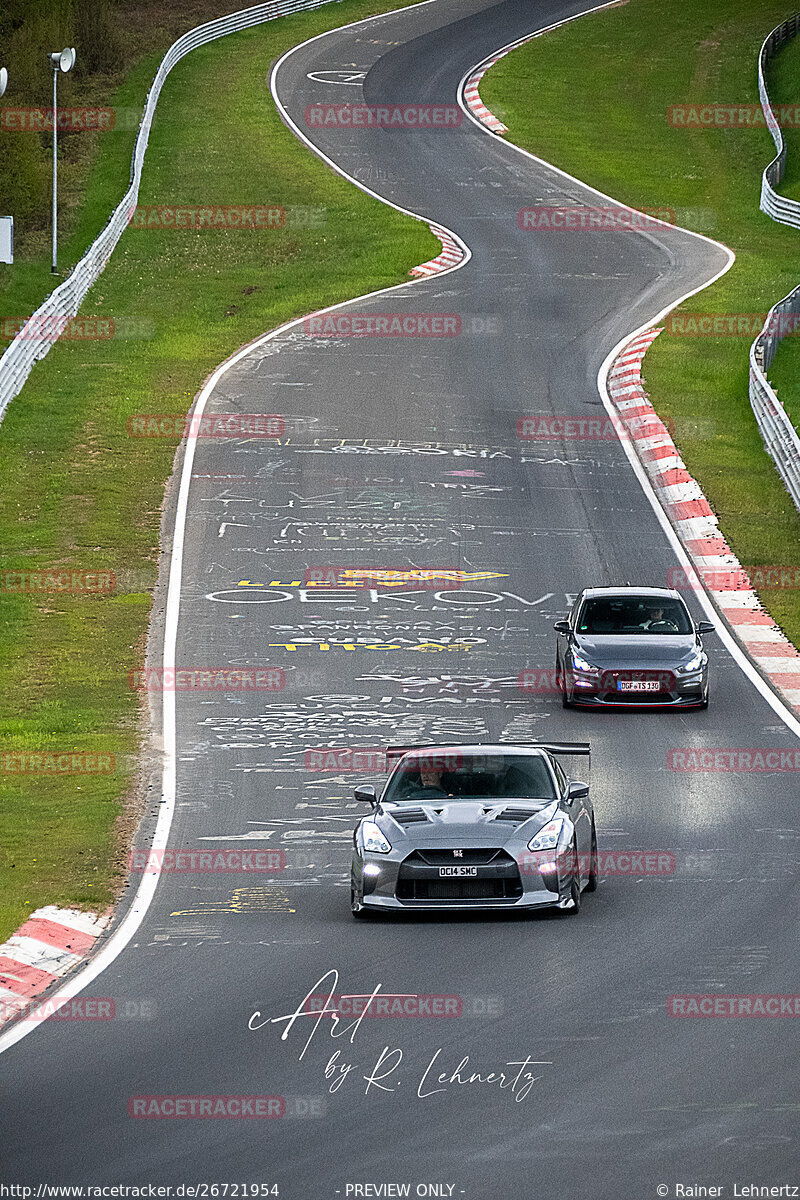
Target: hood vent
[516, 815]
[409, 816]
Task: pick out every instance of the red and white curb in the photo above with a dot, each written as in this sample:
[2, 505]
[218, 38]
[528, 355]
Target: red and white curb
[472, 98]
[451, 254]
[50, 943]
[681, 496]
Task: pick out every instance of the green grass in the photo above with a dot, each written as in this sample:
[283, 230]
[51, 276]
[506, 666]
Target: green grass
[592, 98]
[76, 492]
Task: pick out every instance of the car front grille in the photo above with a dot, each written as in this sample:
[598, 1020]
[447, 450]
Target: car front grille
[477, 857]
[418, 877]
[464, 889]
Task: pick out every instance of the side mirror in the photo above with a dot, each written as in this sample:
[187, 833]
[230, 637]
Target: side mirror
[705, 627]
[366, 795]
[561, 627]
[577, 790]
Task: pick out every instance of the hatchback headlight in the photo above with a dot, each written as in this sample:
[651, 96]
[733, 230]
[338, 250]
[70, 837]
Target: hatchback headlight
[581, 664]
[692, 664]
[374, 841]
[548, 835]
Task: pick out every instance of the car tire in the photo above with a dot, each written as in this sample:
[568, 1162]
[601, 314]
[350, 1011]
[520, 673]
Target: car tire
[704, 701]
[575, 886]
[591, 886]
[561, 676]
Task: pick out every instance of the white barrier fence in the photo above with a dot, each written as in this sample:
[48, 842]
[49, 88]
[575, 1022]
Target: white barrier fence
[777, 207]
[45, 326]
[779, 434]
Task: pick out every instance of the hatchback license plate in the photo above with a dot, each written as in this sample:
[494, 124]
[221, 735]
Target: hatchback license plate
[637, 685]
[458, 871]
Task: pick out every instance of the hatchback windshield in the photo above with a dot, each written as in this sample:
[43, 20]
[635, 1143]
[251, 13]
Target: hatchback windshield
[634, 614]
[471, 777]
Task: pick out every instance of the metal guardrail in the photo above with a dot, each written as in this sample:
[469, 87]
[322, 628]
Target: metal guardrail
[43, 329]
[779, 434]
[777, 207]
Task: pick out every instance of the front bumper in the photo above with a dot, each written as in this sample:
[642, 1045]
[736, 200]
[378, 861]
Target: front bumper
[497, 880]
[672, 690]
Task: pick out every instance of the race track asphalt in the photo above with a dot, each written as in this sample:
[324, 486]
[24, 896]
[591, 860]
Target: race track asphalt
[401, 452]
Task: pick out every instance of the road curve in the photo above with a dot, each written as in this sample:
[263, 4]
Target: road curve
[403, 451]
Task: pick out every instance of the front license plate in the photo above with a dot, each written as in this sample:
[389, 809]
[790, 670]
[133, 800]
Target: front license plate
[458, 870]
[637, 685]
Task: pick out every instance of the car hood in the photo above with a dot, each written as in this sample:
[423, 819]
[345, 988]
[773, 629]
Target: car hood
[484, 822]
[638, 650]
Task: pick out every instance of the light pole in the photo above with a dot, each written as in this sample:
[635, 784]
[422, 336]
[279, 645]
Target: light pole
[62, 60]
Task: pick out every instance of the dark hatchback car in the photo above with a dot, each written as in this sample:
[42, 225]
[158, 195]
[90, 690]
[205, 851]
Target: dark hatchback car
[628, 646]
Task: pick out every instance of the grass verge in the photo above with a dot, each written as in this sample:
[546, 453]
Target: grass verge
[77, 494]
[592, 98]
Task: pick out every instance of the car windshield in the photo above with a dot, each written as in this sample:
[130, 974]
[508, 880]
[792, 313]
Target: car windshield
[634, 614]
[471, 777]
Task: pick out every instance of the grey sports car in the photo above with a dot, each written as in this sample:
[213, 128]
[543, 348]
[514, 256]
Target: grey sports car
[632, 646]
[475, 827]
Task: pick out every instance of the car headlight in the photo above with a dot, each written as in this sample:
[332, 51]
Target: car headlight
[548, 835]
[374, 841]
[581, 664]
[692, 664]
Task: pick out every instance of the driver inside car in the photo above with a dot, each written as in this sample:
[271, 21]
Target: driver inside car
[657, 623]
[429, 785]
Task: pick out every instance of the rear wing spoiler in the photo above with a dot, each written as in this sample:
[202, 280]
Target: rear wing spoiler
[565, 747]
[393, 753]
